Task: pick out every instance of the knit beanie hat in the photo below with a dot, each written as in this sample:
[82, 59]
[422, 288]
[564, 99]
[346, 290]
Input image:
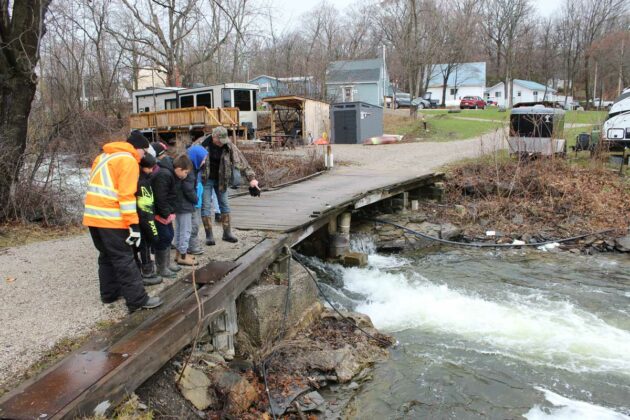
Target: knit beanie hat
[137, 140]
[148, 161]
[159, 149]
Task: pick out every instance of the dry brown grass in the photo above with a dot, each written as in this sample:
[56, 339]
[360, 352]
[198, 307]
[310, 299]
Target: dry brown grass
[17, 234]
[274, 168]
[552, 196]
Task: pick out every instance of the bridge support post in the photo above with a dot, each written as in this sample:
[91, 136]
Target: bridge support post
[339, 232]
[223, 329]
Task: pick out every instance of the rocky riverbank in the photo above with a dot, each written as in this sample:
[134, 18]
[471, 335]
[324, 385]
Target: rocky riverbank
[390, 238]
[498, 200]
[313, 360]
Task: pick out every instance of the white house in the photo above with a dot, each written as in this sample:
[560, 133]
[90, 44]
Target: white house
[462, 79]
[523, 91]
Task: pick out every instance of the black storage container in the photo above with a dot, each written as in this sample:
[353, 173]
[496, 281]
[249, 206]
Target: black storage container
[353, 122]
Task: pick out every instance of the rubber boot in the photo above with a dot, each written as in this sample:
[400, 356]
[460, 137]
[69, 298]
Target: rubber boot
[185, 259]
[149, 277]
[162, 260]
[207, 226]
[173, 267]
[227, 229]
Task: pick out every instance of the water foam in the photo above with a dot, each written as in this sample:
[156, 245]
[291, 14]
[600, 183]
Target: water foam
[535, 328]
[568, 409]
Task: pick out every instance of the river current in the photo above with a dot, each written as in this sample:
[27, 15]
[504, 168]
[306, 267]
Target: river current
[493, 334]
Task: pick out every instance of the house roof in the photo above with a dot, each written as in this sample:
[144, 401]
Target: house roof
[527, 84]
[463, 74]
[532, 85]
[283, 79]
[354, 71]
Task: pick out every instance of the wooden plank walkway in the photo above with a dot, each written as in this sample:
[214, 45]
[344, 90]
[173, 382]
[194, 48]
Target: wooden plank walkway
[296, 206]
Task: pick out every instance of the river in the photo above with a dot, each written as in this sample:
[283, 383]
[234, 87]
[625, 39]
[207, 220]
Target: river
[494, 334]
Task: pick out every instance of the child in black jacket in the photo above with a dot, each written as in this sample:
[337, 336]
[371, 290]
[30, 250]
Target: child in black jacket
[185, 189]
[163, 183]
[148, 230]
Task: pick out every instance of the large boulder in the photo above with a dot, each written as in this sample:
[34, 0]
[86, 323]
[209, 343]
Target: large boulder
[623, 244]
[239, 394]
[195, 387]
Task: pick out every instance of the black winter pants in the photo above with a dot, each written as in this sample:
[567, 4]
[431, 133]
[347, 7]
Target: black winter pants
[118, 273]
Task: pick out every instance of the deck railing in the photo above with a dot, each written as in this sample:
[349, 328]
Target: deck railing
[185, 117]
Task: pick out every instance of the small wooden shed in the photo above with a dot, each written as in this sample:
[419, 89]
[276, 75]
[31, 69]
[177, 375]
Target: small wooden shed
[314, 115]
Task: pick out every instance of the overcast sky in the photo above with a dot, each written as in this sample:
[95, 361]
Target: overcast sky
[288, 10]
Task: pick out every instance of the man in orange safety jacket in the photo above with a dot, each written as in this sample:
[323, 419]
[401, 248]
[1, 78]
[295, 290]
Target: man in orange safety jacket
[110, 213]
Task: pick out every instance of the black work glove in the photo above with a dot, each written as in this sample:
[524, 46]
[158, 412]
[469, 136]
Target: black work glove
[134, 236]
[254, 191]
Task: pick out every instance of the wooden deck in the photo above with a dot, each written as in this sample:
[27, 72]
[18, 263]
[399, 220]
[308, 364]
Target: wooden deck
[299, 205]
[184, 118]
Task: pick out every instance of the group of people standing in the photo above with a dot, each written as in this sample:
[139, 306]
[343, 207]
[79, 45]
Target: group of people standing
[141, 201]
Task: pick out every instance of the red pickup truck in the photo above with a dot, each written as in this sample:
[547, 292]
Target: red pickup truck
[472, 102]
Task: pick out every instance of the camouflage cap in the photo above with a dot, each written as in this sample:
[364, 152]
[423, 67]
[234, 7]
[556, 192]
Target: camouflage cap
[220, 132]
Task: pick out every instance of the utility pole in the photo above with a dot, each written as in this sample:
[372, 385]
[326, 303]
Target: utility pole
[595, 89]
[620, 84]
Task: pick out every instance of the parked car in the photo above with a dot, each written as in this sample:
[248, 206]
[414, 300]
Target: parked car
[403, 100]
[472, 102]
[421, 103]
[601, 103]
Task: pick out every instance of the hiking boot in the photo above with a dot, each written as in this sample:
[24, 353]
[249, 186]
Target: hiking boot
[162, 260]
[185, 259]
[152, 302]
[227, 229]
[207, 226]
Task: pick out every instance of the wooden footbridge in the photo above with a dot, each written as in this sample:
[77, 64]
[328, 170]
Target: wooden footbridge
[101, 373]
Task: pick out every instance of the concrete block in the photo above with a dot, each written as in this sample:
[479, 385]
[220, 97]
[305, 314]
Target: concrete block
[261, 307]
[354, 259]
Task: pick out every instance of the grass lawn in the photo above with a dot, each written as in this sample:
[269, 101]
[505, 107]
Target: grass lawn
[442, 126]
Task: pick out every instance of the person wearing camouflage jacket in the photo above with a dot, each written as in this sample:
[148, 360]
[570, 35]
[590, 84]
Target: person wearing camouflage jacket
[224, 159]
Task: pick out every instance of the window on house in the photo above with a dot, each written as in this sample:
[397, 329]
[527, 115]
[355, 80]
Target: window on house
[170, 103]
[187, 101]
[227, 98]
[535, 95]
[454, 91]
[204, 99]
[497, 94]
[146, 109]
[242, 100]
[518, 93]
[347, 94]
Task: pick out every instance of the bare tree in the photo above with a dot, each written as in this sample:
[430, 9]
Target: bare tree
[503, 23]
[21, 29]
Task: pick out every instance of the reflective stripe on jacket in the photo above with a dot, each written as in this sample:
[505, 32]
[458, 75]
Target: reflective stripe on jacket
[110, 201]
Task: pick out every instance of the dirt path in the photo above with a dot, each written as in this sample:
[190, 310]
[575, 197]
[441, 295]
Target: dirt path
[49, 290]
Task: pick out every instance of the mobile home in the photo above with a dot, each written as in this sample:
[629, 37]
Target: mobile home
[226, 95]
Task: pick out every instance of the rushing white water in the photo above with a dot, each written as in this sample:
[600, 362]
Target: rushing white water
[533, 327]
[568, 409]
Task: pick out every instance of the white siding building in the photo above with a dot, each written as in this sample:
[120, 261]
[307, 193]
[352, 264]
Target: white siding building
[524, 91]
[464, 79]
